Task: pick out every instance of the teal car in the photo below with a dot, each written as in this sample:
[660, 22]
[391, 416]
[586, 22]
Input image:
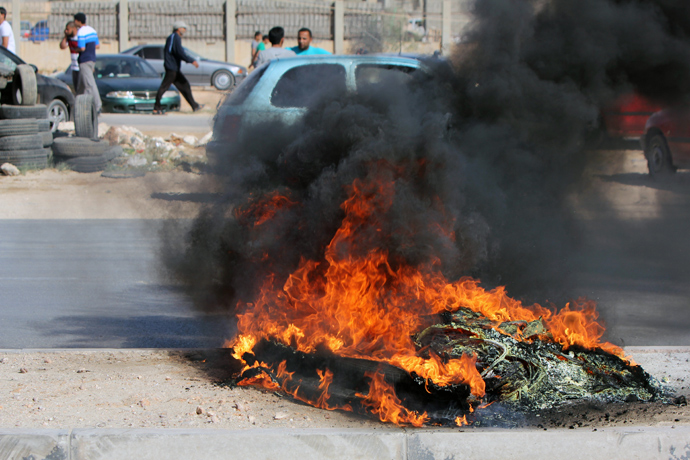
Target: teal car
[128, 84]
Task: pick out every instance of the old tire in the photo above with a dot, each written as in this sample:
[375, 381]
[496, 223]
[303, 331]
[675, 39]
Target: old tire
[23, 142]
[11, 112]
[659, 161]
[223, 80]
[88, 164]
[24, 89]
[72, 147]
[34, 158]
[47, 137]
[57, 113]
[85, 117]
[18, 127]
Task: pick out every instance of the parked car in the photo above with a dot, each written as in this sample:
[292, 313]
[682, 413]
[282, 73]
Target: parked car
[224, 76]
[282, 89]
[51, 91]
[39, 32]
[666, 141]
[626, 117]
[23, 30]
[128, 84]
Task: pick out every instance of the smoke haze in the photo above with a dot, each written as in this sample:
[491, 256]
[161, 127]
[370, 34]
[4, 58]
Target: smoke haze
[524, 92]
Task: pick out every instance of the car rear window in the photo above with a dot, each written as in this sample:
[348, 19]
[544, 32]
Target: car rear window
[376, 74]
[301, 86]
[240, 94]
[151, 52]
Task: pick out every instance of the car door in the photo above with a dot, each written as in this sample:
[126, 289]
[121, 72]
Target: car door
[196, 76]
[287, 97]
[154, 56]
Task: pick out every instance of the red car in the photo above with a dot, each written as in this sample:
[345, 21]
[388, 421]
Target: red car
[626, 117]
[666, 142]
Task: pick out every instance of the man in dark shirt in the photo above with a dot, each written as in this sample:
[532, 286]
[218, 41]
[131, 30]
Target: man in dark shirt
[173, 56]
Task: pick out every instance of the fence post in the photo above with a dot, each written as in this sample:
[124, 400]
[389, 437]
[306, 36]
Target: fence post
[446, 28]
[123, 24]
[230, 29]
[339, 27]
[17, 23]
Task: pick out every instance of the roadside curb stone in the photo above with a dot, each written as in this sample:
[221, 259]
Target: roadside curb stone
[34, 444]
[611, 443]
[121, 444]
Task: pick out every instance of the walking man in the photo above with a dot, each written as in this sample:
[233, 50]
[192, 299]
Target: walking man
[6, 34]
[70, 41]
[87, 43]
[276, 36]
[173, 56]
[304, 47]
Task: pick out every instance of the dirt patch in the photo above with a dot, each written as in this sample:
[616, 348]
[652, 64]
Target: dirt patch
[53, 194]
[146, 388]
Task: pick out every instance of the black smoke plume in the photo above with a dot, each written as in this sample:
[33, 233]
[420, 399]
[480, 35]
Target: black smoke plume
[491, 142]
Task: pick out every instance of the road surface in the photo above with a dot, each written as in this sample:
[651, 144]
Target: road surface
[95, 283]
[181, 123]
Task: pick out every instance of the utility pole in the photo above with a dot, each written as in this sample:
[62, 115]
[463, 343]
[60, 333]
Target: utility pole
[17, 22]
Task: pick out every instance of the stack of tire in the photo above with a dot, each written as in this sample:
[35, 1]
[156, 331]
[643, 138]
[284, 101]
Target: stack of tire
[25, 136]
[85, 152]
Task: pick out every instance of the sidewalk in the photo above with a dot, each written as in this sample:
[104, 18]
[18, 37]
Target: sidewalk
[124, 404]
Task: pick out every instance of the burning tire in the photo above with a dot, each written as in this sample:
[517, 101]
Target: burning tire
[24, 89]
[85, 117]
[659, 160]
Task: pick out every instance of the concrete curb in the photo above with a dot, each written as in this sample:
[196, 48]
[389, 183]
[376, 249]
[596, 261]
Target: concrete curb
[119, 444]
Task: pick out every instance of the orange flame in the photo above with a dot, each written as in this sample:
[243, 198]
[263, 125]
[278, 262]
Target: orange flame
[359, 304]
[382, 401]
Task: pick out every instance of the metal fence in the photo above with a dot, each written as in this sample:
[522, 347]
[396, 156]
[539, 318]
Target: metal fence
[102, 16]
[206, 18]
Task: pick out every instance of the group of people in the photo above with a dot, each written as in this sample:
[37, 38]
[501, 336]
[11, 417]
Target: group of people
[82, 41]
[268, 47]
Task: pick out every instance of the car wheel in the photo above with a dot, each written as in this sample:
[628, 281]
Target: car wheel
[223, 80]
[658, 156]
[24, 89]
[57, 113]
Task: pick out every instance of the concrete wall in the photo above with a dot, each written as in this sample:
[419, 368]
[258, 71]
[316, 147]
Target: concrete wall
[48, 56]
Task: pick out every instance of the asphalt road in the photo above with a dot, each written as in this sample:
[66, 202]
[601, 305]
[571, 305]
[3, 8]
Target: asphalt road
[91, 283]
[95, 283]
[185, 123]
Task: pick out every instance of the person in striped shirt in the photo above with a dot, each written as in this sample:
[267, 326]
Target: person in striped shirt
[87, 43]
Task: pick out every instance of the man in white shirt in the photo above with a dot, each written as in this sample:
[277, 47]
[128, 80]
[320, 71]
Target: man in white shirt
[6, 32]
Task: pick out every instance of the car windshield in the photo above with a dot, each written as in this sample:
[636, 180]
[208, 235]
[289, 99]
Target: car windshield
[7, 59]
[118, 67]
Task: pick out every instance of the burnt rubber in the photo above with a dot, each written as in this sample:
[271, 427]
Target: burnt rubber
[79, 147]
[22, 142]
[11, 112]
[18, 127]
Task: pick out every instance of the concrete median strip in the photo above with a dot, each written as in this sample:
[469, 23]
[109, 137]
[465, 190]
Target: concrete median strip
[306, 444]
[317, 435]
